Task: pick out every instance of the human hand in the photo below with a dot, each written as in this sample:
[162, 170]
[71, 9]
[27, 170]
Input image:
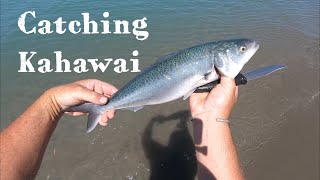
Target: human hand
[219, 101]
[215, 150]
[90, 90]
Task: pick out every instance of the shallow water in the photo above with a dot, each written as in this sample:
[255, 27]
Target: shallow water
[275, 123]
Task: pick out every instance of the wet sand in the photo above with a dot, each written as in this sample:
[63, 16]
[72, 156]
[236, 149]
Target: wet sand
[293, 153]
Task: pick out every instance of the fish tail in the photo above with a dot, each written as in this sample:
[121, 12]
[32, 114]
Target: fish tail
[94, 115]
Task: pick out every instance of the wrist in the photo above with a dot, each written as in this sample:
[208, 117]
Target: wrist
[49, 103]
[211, 115]
[206, 125]
[207, 132]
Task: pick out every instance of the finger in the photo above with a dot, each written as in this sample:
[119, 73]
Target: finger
[88, 83]
[108, 89]
[104, 117]
[197, 98]
[227, 82]
[75, 113]
[236, 93]
[98, 86]
[104, 120]
[84, 94]
[69, 113]
[110, 114]
[92, 84]
[226, 87]
[103, 123]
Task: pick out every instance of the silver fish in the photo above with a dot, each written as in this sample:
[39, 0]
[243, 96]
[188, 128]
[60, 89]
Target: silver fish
[176, 75]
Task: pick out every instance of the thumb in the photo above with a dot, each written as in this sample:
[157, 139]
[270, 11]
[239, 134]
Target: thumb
[84, 94]
[227, 82]
[227, 87]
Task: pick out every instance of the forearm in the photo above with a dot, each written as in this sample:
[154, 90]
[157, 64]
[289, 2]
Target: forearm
[221, 157]
[24, 142]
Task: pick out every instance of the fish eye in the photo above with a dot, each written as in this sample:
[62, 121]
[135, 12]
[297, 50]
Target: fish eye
[243, 48]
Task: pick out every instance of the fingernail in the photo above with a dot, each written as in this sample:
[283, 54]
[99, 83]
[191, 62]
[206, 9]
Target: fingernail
[103, 99]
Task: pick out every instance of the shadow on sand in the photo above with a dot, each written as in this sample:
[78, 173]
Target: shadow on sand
[176, 160]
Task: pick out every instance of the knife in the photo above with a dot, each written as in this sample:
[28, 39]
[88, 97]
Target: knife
[243, 78]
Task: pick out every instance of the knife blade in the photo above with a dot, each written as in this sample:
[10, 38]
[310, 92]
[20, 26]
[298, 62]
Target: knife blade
[243, 78]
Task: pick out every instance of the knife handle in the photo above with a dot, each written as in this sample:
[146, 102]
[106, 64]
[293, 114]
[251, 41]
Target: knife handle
[239, 79]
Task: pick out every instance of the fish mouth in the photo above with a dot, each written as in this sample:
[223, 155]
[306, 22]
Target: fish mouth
[253, 47]
[256, 45]
[252, 44]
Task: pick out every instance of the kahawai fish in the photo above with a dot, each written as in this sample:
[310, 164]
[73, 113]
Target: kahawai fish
[176, 75]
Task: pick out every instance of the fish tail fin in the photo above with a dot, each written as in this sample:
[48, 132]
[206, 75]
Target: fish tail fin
[94, 114]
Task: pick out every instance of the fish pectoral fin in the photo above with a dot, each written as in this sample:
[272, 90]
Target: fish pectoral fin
[188, 94]
[195, 86]
[206, 78]
[134, 109]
